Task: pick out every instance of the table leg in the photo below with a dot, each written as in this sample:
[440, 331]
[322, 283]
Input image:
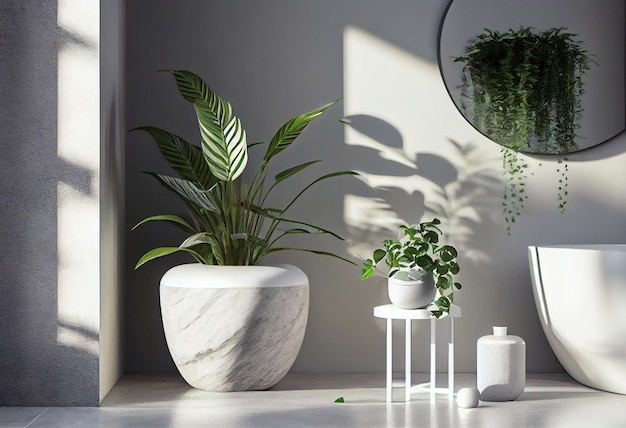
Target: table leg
[389, 359]
[407, 361]
[433, 356]
[451, 360]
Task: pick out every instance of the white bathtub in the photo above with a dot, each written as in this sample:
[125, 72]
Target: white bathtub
[580, 294]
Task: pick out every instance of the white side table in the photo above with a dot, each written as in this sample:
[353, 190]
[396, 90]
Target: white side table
[392, 312]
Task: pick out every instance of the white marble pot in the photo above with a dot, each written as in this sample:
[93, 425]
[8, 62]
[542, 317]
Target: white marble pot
[412, 294]
[234, 328]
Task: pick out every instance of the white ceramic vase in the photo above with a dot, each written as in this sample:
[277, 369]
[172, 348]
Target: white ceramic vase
[234, 328]
[501, 366]
[412, 294]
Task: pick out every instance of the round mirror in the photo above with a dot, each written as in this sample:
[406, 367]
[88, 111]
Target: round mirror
[591, 95]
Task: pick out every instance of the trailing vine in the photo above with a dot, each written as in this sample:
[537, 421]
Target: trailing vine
[514, 186]
[563, 170]
[523, 90]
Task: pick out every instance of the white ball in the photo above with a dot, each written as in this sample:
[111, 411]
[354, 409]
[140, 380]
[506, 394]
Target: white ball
[467, 398]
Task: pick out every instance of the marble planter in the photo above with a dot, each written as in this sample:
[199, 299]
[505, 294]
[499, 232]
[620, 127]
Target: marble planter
[234, 328]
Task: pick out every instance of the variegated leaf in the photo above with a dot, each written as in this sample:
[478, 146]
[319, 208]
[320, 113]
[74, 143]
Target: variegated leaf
[196, 239]
[223, 137]
[224, 145]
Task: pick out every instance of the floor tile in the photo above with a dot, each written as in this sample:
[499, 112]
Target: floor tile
[549, 400]
[18, 416]
[67, 417]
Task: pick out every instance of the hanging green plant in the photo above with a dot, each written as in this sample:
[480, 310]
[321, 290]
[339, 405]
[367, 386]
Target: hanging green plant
[523, 90]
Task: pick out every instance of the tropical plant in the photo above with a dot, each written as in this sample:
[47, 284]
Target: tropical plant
[523, 90]
[418, 250]
[229, 223]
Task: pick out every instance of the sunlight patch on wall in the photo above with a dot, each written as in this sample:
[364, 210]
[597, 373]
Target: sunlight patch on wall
[401, 89]
[77, 192]
[421, 158]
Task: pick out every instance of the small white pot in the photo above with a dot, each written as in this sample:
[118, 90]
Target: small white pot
[413, 294]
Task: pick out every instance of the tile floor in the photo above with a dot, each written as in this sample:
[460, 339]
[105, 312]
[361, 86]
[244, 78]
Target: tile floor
[549, 400]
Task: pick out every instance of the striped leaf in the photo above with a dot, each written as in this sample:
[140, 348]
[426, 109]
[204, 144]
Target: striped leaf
[223, 137]
[186, 190]
[184, 158]
[291, 130]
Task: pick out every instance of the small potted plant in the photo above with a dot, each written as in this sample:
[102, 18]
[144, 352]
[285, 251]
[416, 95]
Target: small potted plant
[421, 272]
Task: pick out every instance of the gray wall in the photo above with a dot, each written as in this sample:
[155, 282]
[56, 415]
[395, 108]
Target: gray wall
[277, 58]
[50, 129]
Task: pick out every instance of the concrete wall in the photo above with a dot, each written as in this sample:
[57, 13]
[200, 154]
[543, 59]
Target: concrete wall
[51, 170]
[277, 58]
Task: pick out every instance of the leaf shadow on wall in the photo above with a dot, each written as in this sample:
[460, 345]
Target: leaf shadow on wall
[461, 189]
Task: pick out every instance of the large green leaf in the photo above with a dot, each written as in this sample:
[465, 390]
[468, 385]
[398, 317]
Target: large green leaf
[184, 158]
[293, 170]
[283, 175]
[269, 213]
[186, 190]
[176, 220]
[223, 137]
[319, 253]
[291, 130]
[164, 251]
[324, 177]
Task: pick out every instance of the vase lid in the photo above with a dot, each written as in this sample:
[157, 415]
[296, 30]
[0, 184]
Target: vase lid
[500, 331]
